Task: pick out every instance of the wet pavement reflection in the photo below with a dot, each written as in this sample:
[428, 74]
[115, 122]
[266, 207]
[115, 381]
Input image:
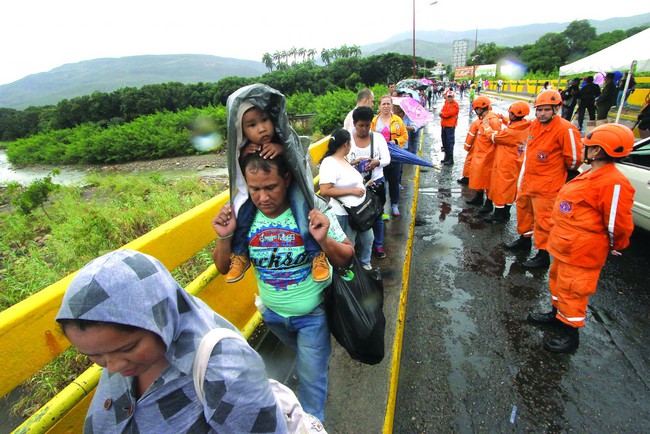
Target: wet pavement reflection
[470, 361]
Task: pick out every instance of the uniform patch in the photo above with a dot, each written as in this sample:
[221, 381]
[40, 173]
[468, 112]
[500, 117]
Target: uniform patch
[521, 149]
[565, 207]
[542, 156]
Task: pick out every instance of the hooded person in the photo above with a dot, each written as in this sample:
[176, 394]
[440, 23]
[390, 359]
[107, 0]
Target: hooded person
[126, 312]
[271, 104]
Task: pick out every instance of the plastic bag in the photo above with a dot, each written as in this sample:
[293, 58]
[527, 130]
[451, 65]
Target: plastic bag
[354, 305]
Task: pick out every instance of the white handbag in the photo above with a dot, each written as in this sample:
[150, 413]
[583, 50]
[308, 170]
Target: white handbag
[297, 420]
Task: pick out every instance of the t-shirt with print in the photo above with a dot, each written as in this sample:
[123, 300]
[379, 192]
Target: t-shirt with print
[282, 270]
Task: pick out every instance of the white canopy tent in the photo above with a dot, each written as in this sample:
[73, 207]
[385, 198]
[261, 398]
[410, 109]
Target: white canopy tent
[622, 56]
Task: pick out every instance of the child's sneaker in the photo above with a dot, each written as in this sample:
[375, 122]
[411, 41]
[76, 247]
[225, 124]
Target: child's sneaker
[320, 268]
[380, 252]
[238, 266]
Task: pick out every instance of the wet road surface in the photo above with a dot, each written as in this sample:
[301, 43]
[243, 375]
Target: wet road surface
[470, 361]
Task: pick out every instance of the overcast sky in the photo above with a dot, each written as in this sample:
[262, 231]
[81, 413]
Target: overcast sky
[39, 35]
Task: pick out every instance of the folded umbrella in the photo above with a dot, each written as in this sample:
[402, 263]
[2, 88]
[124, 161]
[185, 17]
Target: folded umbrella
[401, 155]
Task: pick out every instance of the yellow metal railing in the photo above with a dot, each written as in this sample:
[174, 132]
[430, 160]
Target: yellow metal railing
[30, 338]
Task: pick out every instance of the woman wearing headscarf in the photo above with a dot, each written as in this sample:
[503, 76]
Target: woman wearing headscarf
[126, 312]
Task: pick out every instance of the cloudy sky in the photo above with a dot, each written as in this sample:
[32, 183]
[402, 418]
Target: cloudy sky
[39, 35]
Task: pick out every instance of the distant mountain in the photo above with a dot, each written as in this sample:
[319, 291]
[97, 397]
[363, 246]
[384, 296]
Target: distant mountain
[437, 44]
[106, 75]
[109, 74]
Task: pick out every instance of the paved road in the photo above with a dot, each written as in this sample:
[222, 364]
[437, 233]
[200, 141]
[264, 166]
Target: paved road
[471, 363]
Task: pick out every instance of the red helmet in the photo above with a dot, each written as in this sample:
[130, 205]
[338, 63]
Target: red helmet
[519, 109]
[548, 97]
[616, 140]
[482, 102]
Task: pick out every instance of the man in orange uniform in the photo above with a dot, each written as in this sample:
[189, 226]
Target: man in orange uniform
[591, 218]
[469, 142]
[483, 156]
[448, 122]
[553, 150]
[510, 146]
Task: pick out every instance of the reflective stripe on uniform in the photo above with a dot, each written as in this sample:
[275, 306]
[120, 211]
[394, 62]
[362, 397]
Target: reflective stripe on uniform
[572, 319]
[574, 149]
[612, 213]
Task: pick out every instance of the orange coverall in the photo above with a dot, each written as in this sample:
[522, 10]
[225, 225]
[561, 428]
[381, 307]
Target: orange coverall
[469, 142]
[551, 151]
[591, 216]
[508, 157]
[480, 171]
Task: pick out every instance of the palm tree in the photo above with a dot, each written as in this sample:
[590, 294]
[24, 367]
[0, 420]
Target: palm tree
[267, 59]
[326, 56]
[302, 52]
[311, 53]
[355, 51]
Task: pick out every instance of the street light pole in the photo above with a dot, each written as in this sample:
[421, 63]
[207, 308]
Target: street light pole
[414, 72]
[414, 68]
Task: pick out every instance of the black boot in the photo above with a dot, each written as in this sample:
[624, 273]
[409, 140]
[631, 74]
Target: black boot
[498, 216]
[448, 161]
[521, 243]
[463, 181]
[567, 340]
[477, 200]
[540, 260]
[543, 318]
[507, 208]
[487, 207]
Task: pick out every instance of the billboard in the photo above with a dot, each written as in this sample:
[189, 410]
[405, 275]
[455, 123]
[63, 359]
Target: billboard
[468, 71]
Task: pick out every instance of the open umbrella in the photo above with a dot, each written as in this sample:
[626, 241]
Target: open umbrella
[401, 155]
[411, 92]
[426, 81]
[408, 82]
[414, 110]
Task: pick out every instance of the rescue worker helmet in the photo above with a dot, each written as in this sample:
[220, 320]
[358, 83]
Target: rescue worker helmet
[616, 140]
[548, 97]
[482, 102]
[519, 109]
[449, 93]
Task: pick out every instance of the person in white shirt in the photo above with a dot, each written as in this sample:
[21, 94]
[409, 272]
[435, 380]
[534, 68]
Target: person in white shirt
[365, 98]
[344, 185]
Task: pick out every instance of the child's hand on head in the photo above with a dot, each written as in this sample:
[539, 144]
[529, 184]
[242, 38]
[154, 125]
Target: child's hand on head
[250, 148]
[271, 150]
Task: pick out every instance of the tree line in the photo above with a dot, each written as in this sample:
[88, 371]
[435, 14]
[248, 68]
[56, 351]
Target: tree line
[553, 50]
[105, 109]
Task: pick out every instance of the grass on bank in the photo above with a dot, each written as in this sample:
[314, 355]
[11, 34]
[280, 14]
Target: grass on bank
[83, 223]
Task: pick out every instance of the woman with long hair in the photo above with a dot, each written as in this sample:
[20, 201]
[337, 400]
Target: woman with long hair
[344, 185]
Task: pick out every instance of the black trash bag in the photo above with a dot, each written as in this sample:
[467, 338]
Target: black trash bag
[354, 305]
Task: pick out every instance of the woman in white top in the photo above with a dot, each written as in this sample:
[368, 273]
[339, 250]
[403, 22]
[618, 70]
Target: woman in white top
[370, 163]
[344, 185]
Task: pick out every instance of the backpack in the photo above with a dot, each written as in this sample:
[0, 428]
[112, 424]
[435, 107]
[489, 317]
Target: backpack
[297, 420]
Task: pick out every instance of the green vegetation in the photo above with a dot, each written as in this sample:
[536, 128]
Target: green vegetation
[163, 134]
[36, 251]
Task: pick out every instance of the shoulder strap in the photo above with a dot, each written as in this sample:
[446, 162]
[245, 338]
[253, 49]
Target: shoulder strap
[202, 356]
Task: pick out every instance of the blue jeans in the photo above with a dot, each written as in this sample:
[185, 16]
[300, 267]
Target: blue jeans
[364, 244]
[300, 211]
[309, 336]
[392, 174]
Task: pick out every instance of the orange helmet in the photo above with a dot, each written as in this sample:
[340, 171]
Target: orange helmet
[482, 102]
[548, 97]
[519, 109]
[616, 140]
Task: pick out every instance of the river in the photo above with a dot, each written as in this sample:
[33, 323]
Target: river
[206, 165]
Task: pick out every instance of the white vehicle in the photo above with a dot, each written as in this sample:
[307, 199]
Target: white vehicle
[636, 167]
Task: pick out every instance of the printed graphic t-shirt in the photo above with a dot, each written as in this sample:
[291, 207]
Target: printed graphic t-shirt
[283, 271]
